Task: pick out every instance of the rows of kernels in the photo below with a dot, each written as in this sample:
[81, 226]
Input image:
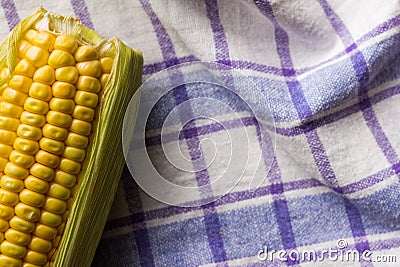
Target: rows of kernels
[47, 112]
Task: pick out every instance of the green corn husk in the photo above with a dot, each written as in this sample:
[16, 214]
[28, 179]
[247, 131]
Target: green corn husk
[102, 168]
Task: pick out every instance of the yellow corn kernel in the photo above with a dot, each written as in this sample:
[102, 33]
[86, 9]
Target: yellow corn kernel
[7, 137]
[62, 105]
[9, 261]
[10, 110]
[12, 250]
[6, 212]
[5, 150]
[47, 159]
[35, 257]
[36, 106]
[58, 191]
[15, 171]
[30, 35]
[67, 74]
[73, 153]
[1, 237]
[8, 198]
[63, 90]
[22, 48]
[11, 184]
[17, 237]
[21, 225]
[45, 74]
[20, 82]
[83, 113]
[27, 212]
[3, 162]
[4, 73]
[21, 159]
[36, 184]
[42, 172]
[55, 205]
[52, 146]
[8, 123]
[88, 83]
[44, 231]
[80, 127]
[33, 119]
[89, 68]
[55, 132]
[58, 118]
[60, 58]
[24, 68]
[106, 64]
[86, 53]
[26, 146]
[40, 91]
[29, 132]
[37, 56]
[14, 96]
[69, 166]
[76, 140]
[65, 179]
[104, 79]
[44, 40]
[86, 99]
[31, 198]
[2, 88]
[50, 219]
[3, 225]
[40, 245]
[67, 43]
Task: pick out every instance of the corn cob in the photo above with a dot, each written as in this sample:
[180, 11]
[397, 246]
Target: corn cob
[48, 116]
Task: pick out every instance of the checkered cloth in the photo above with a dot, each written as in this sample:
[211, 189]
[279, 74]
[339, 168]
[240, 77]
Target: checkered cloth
[330, 71]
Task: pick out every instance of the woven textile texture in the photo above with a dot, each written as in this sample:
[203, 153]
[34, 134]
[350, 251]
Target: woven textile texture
[330, 71]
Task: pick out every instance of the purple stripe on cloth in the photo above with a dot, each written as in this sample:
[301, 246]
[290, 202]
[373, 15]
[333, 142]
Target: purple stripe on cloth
[304, 111]
[10, 13]
[292, 131]
[221, 44]
[156, 67]
[361, 68]
[211, 218]
[82, 12]
[321, 159]
[140, 233]
[164, 41]
[280, 205]
[241, 64]
[279, 202]
[233, 197]
[229, 198]
[282, 46]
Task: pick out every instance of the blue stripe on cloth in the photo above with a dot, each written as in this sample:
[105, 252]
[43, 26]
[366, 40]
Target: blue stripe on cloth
[211, 218]
[10, 13]
[82, 12]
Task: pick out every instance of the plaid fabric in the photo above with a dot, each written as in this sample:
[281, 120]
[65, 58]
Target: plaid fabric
[331, 75]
